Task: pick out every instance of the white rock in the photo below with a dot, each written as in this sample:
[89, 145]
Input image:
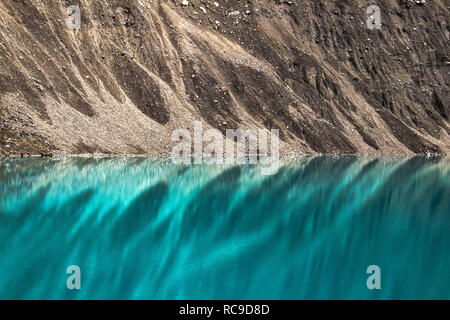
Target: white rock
[185, 3]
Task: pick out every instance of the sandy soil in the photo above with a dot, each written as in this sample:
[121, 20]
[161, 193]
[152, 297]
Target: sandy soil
[137, 70]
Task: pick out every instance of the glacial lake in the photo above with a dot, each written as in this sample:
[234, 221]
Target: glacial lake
[142, 228]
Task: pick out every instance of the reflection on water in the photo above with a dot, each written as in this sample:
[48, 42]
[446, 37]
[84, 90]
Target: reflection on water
[147, 229]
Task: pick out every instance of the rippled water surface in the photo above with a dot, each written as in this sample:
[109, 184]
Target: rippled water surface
[147, 229]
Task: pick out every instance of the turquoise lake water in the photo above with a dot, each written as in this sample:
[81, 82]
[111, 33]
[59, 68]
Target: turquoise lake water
[148, 229]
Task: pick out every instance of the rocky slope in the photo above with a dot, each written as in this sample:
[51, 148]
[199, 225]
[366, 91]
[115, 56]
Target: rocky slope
[138, 69]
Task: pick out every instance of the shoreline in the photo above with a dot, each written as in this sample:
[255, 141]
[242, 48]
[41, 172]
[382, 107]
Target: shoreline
[282, 156]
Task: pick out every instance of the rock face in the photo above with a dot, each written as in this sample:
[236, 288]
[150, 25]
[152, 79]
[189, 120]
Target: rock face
[137, 70]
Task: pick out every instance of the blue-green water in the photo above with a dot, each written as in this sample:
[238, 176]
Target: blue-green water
[148, 229]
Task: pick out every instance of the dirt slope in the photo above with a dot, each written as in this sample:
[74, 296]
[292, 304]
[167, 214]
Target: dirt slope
[137, 70]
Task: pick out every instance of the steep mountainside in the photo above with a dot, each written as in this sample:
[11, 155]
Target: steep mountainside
[139, 69]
